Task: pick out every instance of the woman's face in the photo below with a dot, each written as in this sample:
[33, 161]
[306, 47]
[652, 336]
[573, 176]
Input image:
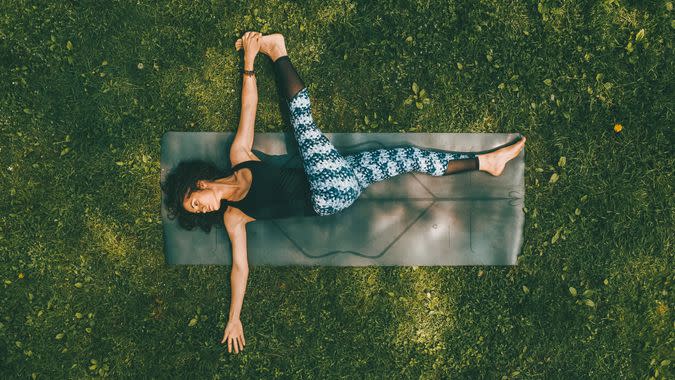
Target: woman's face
[202, 200]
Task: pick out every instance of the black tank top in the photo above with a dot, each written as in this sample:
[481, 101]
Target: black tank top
[276, 192]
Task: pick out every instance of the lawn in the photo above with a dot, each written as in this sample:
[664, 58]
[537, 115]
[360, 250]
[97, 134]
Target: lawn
[89, 87]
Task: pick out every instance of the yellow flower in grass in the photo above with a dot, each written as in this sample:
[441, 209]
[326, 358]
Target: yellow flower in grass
[617, 127]
[20, 276]
[662, 308]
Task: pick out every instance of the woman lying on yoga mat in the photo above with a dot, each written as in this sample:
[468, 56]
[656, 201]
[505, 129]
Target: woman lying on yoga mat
[202, 195]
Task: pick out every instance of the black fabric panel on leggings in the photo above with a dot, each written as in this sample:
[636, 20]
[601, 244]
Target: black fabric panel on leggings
[289, 80]
[462, 165]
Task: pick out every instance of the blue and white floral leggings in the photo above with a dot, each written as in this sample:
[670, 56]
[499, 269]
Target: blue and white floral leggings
[336, 181]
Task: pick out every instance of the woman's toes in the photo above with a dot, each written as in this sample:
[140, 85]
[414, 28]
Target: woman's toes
[520, 145]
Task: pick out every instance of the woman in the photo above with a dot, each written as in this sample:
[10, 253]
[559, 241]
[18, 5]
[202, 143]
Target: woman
[199, 194]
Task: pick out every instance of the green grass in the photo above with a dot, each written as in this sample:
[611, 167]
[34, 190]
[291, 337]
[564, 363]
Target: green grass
[81, 123]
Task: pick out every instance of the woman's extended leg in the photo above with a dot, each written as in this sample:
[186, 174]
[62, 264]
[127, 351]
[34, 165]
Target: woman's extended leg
[333, 183]
[380, 164]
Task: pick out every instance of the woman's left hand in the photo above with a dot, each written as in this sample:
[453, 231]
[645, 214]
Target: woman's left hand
[251, 42]
[234, 334]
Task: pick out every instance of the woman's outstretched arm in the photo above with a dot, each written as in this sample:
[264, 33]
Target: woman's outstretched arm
[243, 140]
[234, 331]
[239, 268]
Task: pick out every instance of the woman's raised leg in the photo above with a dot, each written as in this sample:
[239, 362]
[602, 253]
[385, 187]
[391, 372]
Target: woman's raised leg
[332, 181]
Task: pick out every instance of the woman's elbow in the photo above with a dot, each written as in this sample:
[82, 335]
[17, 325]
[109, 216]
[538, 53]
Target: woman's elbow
[240, 268]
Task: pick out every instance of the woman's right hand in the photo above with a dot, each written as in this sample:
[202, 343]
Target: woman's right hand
[251, 42]
[234, 335]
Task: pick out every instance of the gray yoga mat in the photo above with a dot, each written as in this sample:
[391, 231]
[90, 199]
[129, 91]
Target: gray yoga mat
[469, 218]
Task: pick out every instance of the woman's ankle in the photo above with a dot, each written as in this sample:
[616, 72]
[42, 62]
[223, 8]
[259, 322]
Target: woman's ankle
[491, 163]
[483, 162]
[278, 52]
[279, 57]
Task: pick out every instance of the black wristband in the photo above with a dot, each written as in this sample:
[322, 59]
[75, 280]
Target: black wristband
[248, 72]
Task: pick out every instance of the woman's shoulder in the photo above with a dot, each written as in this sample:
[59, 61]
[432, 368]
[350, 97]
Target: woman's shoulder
[233, 215]
[243, 157]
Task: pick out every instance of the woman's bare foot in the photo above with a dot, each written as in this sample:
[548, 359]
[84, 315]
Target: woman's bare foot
[272, 45]
[494, 162]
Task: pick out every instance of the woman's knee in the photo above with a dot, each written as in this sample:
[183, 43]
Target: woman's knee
[332, 200]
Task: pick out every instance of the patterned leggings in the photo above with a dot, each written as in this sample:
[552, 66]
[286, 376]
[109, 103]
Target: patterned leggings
[336, 181]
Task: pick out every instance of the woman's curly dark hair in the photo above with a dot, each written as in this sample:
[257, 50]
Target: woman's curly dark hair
[183, 179]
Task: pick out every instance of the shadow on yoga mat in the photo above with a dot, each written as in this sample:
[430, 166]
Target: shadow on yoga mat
[469, 218]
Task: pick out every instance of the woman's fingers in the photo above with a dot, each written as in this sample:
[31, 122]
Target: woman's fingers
[248, 35]
[238, 342]
[234, 344]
